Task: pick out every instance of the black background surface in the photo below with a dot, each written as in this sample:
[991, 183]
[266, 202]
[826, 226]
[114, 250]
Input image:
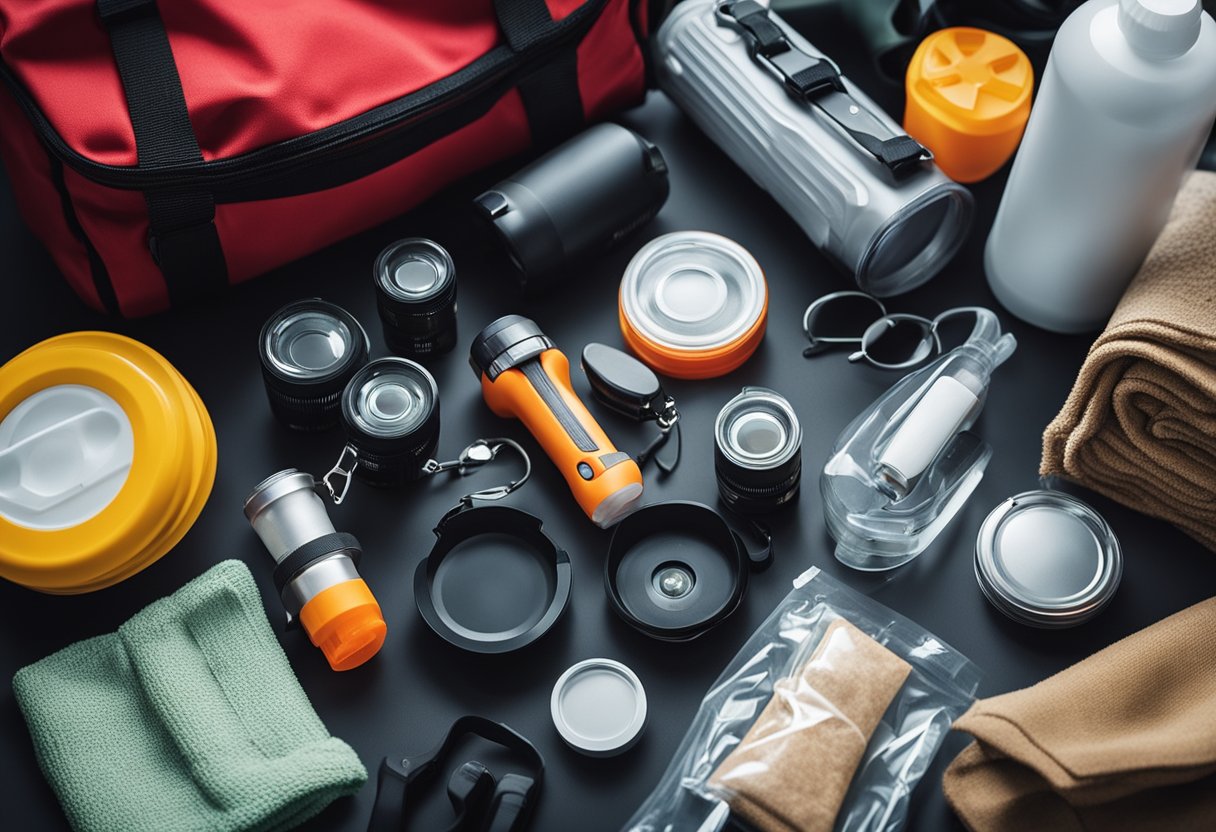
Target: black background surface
[403, 701]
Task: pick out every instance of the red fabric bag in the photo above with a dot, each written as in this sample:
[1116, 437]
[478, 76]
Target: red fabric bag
[162, 150]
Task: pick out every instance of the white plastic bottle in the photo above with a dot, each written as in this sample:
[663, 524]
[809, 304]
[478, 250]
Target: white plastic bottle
[1125, 105]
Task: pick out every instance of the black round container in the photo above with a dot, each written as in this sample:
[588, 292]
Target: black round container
[415, 283]
[674, 570]
[757, 451]
[390, 411]
[309, 350]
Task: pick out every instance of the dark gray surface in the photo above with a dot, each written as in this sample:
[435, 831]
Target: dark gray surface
[403, 700]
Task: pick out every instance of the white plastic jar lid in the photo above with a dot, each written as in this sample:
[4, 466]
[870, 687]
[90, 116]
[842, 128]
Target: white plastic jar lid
[65, 453]
[599, 707]
[693, 290]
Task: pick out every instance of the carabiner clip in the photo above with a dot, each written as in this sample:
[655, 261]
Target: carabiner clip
[343, 471]
[492, 446]
[479, 453]
[472, 457]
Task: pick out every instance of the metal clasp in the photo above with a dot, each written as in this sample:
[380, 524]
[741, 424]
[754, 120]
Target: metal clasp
[478, 454]
[344, 472]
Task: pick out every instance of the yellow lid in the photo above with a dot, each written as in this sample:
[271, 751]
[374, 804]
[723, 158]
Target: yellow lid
[968, 99]
[107, 456]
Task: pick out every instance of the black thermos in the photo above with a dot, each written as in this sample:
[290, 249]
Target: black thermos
[576, 200]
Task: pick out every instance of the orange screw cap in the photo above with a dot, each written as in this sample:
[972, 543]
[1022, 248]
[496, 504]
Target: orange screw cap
[345, 621]
[969, 96]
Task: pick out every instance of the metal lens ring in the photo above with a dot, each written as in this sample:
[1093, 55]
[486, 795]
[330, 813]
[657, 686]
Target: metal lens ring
[757, 451]
[311, 340]
[758, 429]
[390, 411]
[414, 269]
[309, 350]
[813, 313]
[926, 343]
[391, 398]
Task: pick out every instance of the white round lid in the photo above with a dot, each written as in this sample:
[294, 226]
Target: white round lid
[599, 707]
[65, 453]
[693, 290]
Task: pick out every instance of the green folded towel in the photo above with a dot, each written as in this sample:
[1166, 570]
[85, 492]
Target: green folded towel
[188, 718]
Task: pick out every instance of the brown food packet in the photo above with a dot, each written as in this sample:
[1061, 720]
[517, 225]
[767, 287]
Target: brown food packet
[792, 769]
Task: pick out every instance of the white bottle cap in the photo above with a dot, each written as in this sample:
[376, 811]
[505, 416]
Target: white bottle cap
[599, 707]
[1160, 28]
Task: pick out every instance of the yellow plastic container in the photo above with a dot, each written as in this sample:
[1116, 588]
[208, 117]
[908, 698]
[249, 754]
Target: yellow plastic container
[968, 96]
[107, 456]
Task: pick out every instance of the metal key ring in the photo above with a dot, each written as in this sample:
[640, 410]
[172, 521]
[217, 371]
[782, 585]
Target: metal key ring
[929, 345]
[811, 315]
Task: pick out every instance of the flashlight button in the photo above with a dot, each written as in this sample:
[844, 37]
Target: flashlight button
[585, 471]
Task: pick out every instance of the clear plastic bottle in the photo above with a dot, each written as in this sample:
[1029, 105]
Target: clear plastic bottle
[1125, 105]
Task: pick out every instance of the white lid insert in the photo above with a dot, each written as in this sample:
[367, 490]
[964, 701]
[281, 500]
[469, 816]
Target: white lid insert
[65, 453]
[599, 707]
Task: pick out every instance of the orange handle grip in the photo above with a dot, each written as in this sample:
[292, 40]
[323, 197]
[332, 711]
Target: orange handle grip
[605, 482]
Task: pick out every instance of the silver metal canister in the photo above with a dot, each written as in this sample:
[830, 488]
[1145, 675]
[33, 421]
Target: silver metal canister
[866, 193]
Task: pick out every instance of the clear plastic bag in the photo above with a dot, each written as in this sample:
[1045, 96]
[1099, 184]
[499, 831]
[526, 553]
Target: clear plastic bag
[826, 719]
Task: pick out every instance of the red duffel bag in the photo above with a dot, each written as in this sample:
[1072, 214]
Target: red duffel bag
[161, 150]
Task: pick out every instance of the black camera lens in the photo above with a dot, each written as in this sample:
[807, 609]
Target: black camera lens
[757, 451]
[416, 295]
[390, 410]
[309, 350]
[577, 200]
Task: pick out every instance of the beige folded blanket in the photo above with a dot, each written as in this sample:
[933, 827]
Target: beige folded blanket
[1123, 741]
[1140, 423]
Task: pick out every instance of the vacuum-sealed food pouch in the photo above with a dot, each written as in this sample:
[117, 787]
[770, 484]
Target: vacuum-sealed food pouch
[825, 720]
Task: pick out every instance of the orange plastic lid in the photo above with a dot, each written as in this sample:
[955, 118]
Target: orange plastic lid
[345, 621]
[693, 304]
[968, 96]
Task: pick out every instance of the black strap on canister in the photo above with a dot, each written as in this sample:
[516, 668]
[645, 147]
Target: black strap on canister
[817, 81]
[182, 235]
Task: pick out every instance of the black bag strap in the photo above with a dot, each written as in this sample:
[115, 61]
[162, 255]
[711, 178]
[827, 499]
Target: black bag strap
[818, 82]
[551, 96]
[182, 234]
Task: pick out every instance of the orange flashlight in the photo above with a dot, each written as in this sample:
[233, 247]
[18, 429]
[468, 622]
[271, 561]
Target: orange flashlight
[523, 375]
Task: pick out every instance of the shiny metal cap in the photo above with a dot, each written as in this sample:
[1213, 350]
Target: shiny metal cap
[1046, 559]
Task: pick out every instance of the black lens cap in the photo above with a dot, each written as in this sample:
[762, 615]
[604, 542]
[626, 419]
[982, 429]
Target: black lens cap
[674, 570]
[494, 581]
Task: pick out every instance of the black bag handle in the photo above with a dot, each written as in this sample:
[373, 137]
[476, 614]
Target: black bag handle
[181, 225]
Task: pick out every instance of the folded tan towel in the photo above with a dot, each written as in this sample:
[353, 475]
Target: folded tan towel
[1140, 423]
[1124, 741]
[792, 769]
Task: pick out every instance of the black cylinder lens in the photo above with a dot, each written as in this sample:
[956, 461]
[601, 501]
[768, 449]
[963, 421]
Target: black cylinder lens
[757, 451]
[309, 350]
[390, 410]
[575, 201]
[416, 295]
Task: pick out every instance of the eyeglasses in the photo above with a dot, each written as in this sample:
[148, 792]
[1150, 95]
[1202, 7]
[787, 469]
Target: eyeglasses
[894, 340]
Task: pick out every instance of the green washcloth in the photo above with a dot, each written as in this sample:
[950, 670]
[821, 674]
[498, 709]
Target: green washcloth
[188, 718]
